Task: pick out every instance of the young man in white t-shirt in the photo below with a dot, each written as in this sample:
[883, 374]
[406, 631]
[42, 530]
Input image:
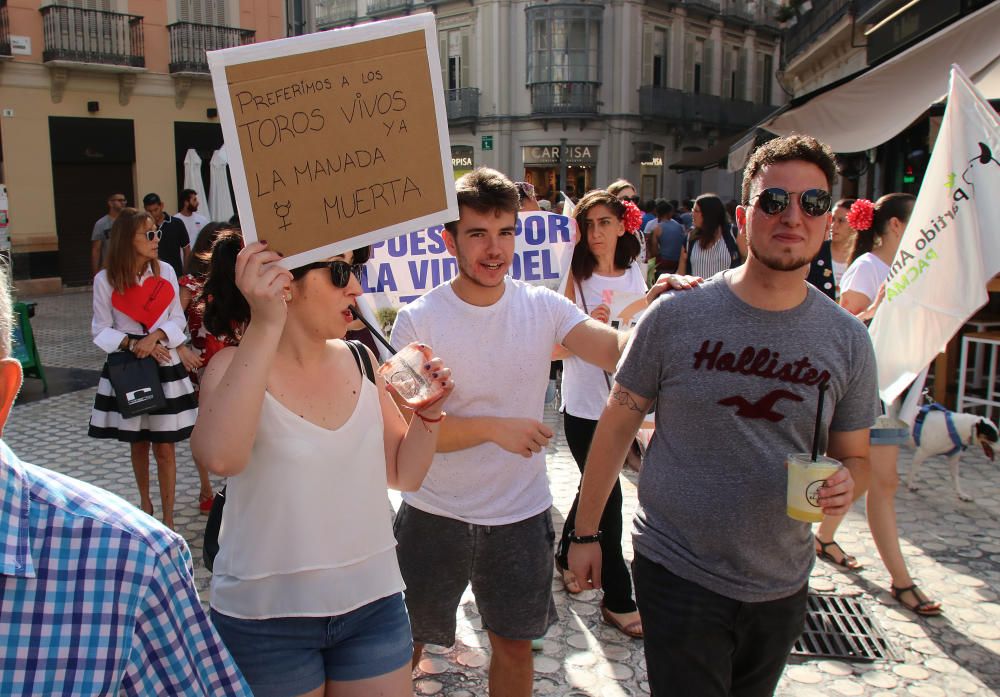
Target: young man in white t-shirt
[482, 514]
[189, 215]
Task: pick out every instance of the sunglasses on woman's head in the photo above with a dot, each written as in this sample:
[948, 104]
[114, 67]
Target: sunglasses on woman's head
[814, 202]
[340, 271]
[153, 234]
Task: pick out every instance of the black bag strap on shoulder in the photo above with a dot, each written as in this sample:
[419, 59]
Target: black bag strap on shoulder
[210, 541]
[362, 358]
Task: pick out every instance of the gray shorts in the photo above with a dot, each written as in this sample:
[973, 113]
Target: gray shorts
[509, 566]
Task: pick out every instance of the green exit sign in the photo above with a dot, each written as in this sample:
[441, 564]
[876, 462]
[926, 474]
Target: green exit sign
[487, 142]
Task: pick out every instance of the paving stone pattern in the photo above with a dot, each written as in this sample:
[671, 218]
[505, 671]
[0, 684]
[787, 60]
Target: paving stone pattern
[953, 549]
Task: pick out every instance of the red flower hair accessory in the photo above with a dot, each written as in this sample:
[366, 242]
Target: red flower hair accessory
[632, 218]
[861, 215]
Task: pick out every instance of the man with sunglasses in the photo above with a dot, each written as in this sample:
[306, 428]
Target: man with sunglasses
[735, 371]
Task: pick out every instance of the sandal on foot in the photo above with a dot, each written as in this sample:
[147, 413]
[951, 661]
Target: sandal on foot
[846, 561]
[632, 629]
[925, 607]
[570, 583]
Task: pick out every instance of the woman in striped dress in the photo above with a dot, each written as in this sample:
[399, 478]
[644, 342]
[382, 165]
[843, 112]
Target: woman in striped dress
[137, 308]
[711, 246]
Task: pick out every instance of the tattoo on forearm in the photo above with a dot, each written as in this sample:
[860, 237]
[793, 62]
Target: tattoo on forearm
[622, 398]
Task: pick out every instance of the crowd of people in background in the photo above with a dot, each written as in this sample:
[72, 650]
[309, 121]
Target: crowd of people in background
[240, 345]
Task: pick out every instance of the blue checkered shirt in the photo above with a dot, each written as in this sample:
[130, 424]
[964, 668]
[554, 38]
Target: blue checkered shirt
[97, 598]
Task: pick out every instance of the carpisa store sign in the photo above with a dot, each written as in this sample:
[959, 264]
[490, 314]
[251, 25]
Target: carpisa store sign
[549, 154]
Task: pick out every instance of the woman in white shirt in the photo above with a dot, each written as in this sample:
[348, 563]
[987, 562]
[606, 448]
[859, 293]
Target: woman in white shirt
[604, 262]
[306, 589]
[137, 308]
[880, 229]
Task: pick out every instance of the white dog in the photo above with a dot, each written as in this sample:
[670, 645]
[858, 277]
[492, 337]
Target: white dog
[932, 436]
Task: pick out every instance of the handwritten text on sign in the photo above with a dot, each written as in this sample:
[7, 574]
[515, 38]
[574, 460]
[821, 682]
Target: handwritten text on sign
[404, 268]
[339, 142]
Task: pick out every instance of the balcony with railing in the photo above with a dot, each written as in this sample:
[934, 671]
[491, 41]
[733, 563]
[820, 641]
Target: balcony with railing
[564, 98]
[738, 11]
[767, 16]
[679, 107]
[190, 41]
[709, 7]
[462, 105]
[335, 13]
[378, 8]
[4, 31]
[813, 25]
[78, 35]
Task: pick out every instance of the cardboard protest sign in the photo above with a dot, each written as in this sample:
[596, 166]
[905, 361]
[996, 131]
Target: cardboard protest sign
[337, 139]
[402, 269]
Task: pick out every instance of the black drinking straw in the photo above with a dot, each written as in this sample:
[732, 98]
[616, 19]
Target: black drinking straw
[819, 420]
[375, 332]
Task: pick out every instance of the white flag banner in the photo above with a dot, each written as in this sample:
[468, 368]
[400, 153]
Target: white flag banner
[951, 247]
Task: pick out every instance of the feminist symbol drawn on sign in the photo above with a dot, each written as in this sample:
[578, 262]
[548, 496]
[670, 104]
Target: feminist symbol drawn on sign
[283, 210]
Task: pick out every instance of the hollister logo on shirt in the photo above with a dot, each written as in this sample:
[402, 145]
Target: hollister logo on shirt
[762, 363]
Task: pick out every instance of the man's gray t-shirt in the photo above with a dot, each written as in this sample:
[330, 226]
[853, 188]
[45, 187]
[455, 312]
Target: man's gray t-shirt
[102, 232]
[736, 391]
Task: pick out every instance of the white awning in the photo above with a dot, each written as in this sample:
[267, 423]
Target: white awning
[872, 106]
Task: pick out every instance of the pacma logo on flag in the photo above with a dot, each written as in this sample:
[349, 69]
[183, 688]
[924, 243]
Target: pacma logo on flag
[950, 249]
[910, 263]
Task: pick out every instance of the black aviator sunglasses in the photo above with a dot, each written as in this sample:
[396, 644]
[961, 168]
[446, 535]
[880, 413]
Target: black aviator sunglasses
[814, 202]
[340, 271]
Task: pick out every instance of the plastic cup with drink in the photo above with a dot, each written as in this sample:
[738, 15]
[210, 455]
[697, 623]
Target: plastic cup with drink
[405, 374]
[807, 473]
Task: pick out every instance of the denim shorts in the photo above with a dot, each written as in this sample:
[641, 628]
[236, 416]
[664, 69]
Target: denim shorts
[888, 431]
[292, 655]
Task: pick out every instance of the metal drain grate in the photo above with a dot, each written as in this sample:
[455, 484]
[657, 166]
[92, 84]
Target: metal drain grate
[841, 627]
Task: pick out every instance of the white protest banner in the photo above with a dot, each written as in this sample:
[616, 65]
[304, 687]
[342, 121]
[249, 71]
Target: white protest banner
[336, 139]
[402, 269]
[951, 246]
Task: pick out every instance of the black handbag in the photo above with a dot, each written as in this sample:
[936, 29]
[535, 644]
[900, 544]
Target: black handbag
[136, 382]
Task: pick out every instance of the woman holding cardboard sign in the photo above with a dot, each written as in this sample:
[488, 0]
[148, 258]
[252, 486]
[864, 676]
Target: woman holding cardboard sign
[139, 322]
[306, 590]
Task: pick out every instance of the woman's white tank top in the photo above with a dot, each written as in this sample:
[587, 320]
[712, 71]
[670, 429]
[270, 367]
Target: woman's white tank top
[307, 530]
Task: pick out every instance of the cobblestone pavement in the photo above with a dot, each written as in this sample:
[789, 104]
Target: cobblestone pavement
[953, 549]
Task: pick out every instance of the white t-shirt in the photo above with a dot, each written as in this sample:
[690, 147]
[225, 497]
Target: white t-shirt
[194, 223]
[864, 276]
[584, 389]
[839, 267]
[499, 358]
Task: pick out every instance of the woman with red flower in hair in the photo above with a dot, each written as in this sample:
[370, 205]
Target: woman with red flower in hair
[712, 247]
[604, 261]
[880, 229]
